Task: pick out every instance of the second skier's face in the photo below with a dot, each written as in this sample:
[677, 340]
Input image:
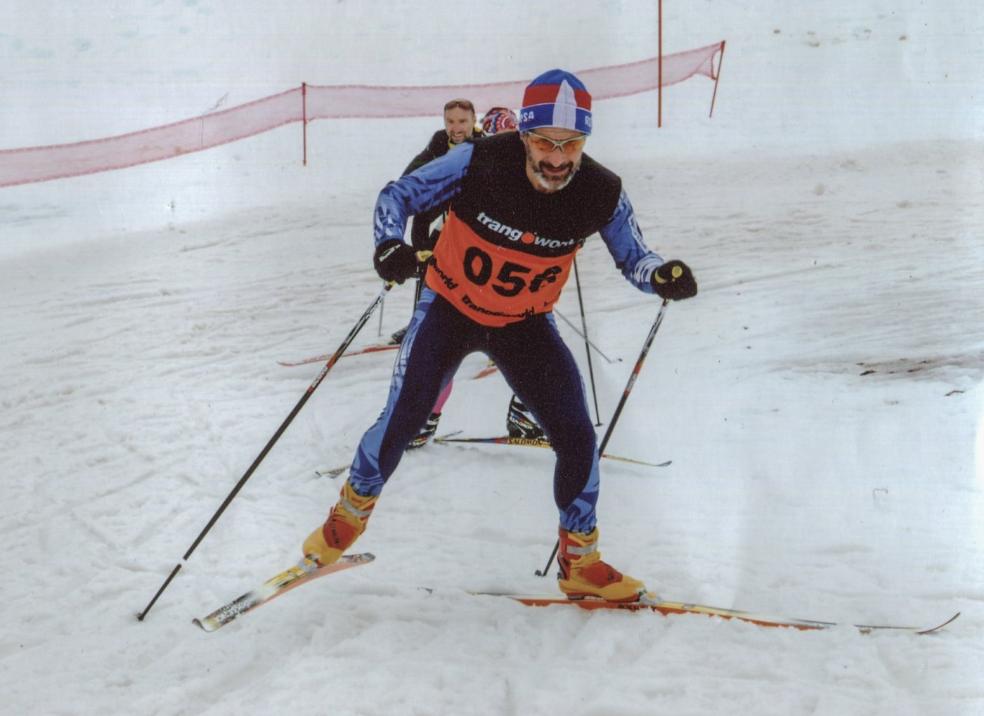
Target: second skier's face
[459, 123]
[553, 157]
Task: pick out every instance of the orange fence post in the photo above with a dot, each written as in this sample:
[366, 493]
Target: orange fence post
[304, 118]
[659, 72]
[717, 77]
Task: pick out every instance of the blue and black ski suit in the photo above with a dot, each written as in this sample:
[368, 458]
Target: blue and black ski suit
[503, 256]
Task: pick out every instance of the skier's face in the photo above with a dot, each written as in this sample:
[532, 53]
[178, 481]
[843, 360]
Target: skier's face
[553, 156]
[459, 123]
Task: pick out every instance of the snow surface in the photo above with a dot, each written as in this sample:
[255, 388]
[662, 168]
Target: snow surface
[821, 399]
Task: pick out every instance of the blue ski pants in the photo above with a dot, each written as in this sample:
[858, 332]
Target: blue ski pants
[536, 364]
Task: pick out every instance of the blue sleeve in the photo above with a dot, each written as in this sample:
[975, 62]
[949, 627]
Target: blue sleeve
[431, 185]
[624, 241]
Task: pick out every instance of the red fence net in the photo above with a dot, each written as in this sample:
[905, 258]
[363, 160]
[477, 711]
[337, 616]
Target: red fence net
[306, 103]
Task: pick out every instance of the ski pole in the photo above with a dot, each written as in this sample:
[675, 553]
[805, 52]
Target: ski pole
[422, 256]
[597, 350]
[382, 308]
[618, 410]
[266, 449]
[587, 347]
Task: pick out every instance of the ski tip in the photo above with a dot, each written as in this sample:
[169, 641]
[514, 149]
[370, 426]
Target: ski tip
[204, 625]
[938, 627]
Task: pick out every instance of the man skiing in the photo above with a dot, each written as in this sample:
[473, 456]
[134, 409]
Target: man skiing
[459, 126]
[521, 205]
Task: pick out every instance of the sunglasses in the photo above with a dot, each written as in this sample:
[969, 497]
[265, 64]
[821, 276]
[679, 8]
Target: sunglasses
[460, 103]
[566, 146]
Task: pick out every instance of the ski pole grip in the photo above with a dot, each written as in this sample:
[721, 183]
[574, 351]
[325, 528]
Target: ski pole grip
[422, 258]
[676, 271]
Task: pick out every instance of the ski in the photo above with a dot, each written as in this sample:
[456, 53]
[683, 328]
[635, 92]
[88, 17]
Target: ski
[531, 442]
[333, 472]
[301, 573]
[376, 348]
[653, 603]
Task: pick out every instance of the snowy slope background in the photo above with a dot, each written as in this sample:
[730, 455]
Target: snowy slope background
[821, 399]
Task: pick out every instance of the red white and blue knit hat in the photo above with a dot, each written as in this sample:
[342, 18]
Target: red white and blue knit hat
[499, 119]
[556, 99]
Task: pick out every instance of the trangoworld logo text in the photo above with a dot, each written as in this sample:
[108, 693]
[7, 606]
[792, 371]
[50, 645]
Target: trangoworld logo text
[525, 237]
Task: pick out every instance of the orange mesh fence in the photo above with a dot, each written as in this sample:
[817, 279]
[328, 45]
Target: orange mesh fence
[34, 164]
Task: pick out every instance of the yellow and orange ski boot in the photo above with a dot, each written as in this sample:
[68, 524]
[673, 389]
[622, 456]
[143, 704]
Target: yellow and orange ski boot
[346, 521]
[584, 574]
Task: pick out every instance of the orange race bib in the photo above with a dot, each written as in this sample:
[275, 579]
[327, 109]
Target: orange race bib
[494, 285]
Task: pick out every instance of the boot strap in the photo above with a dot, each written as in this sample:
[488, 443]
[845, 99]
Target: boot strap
[347, 505]
[581, 550]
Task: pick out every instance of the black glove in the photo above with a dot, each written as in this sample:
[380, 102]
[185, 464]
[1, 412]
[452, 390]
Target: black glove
[673, 280]
[395, 261]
